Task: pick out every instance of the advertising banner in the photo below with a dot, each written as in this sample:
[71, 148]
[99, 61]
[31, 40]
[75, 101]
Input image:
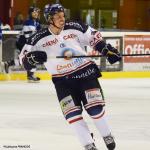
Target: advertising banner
[137, 44]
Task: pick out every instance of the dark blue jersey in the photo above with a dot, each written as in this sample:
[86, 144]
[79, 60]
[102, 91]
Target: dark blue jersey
[30, 26]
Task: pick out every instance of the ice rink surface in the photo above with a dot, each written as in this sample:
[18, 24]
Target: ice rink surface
[30, 116]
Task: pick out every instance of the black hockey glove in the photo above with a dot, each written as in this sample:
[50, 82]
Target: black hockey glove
[111, 54]
[31, 59]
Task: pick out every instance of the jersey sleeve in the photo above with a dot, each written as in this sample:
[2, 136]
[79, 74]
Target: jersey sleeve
[31, 45]
[91, 37]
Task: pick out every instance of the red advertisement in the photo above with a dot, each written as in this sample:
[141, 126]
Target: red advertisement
[137, 44]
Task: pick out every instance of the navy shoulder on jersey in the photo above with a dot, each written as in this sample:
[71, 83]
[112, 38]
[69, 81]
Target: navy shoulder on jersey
[76, 26]
[38, 36]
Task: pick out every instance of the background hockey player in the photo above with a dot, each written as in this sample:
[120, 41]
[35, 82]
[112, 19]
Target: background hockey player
[30, 26]
[75, 79]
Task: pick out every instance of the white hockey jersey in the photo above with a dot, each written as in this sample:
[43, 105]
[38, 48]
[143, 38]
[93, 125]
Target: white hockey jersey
[70, 42]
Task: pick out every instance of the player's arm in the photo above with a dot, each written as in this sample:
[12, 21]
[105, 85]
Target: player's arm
[96, 41]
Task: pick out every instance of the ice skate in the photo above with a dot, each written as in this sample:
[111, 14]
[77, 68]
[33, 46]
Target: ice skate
[90, 147]
[6, 67]
[33, 79]
[109, 141]
[7, 64]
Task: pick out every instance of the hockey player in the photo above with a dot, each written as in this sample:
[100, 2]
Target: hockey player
[75, 79]
[30, 26]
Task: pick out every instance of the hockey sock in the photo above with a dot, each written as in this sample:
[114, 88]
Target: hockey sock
[102, 126]
[81, 129]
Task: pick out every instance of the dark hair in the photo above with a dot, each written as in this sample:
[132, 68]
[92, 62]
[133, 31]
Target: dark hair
[32, 9]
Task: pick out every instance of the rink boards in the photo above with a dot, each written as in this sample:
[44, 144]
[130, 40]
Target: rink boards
[46, 76]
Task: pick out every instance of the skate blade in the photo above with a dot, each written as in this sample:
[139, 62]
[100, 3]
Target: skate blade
[31, 81]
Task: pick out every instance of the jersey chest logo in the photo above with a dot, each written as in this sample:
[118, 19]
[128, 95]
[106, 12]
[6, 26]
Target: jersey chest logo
[50, 43]
[69, 36]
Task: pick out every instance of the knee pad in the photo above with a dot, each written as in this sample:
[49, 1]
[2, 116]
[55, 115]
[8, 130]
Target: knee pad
[71, 112]
[96, 112]
[95, 103]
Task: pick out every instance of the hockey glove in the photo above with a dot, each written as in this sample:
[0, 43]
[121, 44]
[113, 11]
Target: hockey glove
[111, 54]
[31, 59]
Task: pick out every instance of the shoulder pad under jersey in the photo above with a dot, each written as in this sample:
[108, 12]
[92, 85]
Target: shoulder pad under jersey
[76, 26]
[38, 36]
